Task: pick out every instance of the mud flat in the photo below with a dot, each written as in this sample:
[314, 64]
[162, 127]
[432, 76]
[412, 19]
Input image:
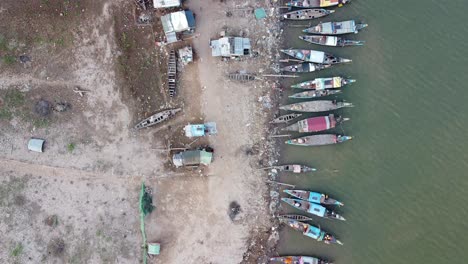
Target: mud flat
[77, 202]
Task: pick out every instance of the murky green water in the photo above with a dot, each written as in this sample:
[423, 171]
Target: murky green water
[404, 177]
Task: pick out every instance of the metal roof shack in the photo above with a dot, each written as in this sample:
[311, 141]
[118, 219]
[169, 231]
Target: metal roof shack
[230, 47]
[181, 21]
[166, 3]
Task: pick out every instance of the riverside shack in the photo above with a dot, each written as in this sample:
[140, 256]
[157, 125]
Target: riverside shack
[166, 3]
[230, 47]
[180, 22]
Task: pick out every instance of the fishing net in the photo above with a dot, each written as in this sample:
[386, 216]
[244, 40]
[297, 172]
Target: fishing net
[146, 200]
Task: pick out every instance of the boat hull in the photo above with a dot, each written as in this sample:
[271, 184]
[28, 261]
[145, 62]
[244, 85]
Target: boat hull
[305, 67]
[157, 118]
[314, 124]
[306, 14]
[285, 118]
[335, 28]
[314, 94]
[313, 209]
[295, 168]
[316, 106]
[314, 197]
[318, 140]
[323, 83]
[316, 3]
[299, 259]
[331, 41]
[314, 56]
[312, 232]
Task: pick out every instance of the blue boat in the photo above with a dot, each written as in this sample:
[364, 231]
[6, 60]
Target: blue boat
[313, 208]
[312, 232]
[314, 197]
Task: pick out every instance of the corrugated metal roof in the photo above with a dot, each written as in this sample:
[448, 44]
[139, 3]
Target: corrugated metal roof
[166, 3]
[229, 46]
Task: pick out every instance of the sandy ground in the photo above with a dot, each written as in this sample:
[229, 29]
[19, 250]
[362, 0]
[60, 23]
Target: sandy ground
[92, 187]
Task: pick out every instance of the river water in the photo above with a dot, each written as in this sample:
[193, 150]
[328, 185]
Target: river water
[404, 177]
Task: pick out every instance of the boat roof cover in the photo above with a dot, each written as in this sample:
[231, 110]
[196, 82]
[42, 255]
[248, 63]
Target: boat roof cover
[36, 144]
[315, 197]
[192, 157]
[317, 209]
[316, 124]
[309, 260]
[296, 168]
[326, 3]
[165, 3]
[317, 56]
[313, 232]
[331, 41]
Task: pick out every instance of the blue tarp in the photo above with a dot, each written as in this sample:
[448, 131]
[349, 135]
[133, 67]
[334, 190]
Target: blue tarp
[190, 18]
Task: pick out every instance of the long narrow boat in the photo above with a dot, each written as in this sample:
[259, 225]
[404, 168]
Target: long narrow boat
[299, 260]
[157, 118]
[316, 124]
[316, 106]
[312, 94]
[285, 118]
[305, 67]
[312, 232]
[313, 208]
[319, 140]
[331, 41]
[294, 168]
[295, 217]
[314, 197]
[323, 83]
[314, 56]
[306, 14]
[316, 3]
[335, 28]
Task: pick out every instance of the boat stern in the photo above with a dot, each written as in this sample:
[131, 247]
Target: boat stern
[349, 81]
[344, 139]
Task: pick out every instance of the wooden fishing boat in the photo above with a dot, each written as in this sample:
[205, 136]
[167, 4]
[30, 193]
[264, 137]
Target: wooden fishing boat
[316, 106]
[316, 3]
[242, 77]
[313, 208]
[301, 218]
[314, 94]
[157, 118]
[306, 14]
[294, 168]
[324, 83]
[314, 197]
[285, 118]
[316, 124]
[299, 260]
[335, 28]
[172, 73]
[314, 56]
[305, 67]
[312, 232]
[331, 41]
[319, 140]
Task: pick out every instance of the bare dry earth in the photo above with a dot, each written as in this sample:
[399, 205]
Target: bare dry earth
[93, 189]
